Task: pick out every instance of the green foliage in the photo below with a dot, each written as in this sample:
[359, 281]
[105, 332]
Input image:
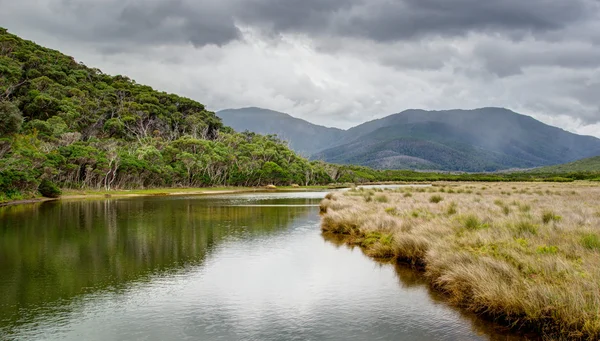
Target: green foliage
[525, 226]
[10, 118]
[49, 190]
[435, 199]
[591, 241]
[549, 216]
[381, 198]
[87, 129]
[391, 211]
[452, 209]
[80, 128]
[588, 165]
[472, 222]
[547, 250]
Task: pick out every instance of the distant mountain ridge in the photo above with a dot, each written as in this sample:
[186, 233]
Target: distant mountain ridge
[486, 139]
[303, 137]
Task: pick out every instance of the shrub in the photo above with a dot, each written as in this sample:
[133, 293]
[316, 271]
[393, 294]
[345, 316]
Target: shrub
[10, 118]
[407, 195]
[49, 190]
[435, 199]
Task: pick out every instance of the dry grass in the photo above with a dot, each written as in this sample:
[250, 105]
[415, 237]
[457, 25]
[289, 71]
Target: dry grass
[527, 253]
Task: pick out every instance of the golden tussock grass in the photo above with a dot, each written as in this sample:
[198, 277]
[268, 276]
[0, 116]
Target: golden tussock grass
[526, 253]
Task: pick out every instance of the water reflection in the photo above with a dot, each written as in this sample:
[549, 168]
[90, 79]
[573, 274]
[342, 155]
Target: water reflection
[411, 278]
[51, 252]
[222, 268]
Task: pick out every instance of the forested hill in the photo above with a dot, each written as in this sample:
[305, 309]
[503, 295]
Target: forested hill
[65, 124]
[591, 165]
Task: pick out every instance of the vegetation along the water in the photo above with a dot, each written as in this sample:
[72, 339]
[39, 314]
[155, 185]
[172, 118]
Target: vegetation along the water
[64, 125]
[524, 253]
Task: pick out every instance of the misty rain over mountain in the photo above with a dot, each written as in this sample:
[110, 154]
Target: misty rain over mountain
[486, 139]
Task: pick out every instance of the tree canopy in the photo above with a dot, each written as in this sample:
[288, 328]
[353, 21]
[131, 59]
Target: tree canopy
[75, 126]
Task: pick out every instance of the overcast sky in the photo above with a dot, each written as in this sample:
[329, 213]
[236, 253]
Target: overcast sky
[340, 62]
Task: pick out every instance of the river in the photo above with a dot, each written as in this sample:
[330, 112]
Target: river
[230, 267]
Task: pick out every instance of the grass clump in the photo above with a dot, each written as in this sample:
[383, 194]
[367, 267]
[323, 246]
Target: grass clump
[549, 216]
[391, 211]
[452, 209]
[407, 195]
[381, 198]
[525, 226]
[472, 222]
[435, 199]
[591, 241]
[547, 250]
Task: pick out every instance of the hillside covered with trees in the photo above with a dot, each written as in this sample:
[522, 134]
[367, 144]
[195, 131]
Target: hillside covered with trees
[66, 125]
[63, 124]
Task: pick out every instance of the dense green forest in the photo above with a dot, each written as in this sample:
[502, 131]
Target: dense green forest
[66, 125]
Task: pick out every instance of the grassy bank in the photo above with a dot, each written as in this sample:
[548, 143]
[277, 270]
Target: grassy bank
[524, 253]
[71, 194]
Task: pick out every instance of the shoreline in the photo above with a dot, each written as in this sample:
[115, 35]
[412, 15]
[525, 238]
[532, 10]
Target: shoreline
[155, 192]
[514, 254]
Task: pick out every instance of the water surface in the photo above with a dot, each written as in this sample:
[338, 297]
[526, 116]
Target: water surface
[234, 267]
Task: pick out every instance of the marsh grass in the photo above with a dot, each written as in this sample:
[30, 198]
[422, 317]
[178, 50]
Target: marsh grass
[436, 199]
[381, 198]
[452, 209]
[549, 216]
[532, 260]
[591, 241]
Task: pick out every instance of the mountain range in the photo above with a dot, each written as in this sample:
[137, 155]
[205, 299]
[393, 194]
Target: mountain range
[485, 139]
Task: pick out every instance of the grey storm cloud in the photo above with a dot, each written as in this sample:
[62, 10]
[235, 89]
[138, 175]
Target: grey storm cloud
[340, 60]
[216, 21]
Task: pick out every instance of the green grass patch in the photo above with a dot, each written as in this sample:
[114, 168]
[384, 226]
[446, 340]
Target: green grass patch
[381, 198]
[549, 216]
[525, 226]
[547, 250]
[452, 209]
[591, 241]
[472, 222]
[435, 199]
